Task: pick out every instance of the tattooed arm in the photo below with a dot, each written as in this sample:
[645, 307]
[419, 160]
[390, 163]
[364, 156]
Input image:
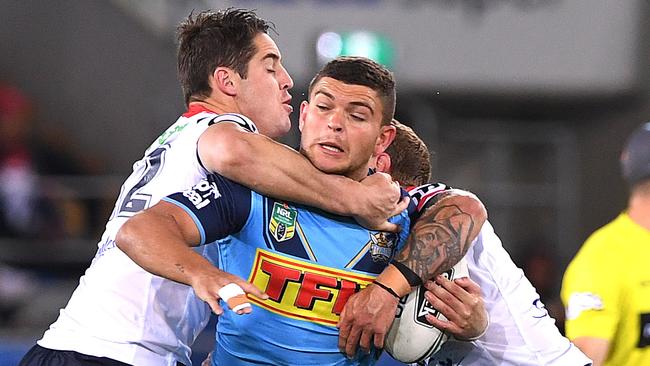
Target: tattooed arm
[441, 236]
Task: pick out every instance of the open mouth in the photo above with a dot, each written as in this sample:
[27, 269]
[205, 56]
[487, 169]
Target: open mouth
[331, 147]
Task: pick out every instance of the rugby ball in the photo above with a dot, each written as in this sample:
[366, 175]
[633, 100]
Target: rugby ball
[411, 338]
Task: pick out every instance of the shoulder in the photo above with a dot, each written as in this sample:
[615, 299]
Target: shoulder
[238, 119]
[607, 238]
[600, 253]
[201, 115]
[426, 190]
[425, 193]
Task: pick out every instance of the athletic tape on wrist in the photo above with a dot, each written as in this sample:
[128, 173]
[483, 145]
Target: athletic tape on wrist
[234, 296]
[412, 278]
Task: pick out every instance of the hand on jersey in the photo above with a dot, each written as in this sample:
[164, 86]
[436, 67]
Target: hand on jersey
[378, 201]
[461, 303]
[365, 320]
[214, 284]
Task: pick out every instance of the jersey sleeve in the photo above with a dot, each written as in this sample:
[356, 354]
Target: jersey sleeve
[218, 206]
[591, 292]
[424, 196]
[241, 120]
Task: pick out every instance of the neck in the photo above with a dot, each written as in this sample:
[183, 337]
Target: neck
[639, 209]
[359, 175]
[215, 105]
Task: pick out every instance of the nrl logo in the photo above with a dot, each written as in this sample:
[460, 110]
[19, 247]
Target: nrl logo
[382, 246]
[283, 221]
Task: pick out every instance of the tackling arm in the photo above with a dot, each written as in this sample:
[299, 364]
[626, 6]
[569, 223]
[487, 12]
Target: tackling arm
[276, 170]
[440, 237]
[450, 221]
[159, 240]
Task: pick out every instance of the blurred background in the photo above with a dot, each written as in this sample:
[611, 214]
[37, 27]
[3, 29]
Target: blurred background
[525, 102]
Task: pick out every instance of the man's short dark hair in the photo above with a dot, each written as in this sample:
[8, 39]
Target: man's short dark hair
[366, 72]
[213, 39]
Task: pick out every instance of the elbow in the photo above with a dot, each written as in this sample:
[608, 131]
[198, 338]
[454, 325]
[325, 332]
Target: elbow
[471, 213]
[125, 236]
[478, 211]
[471, 205]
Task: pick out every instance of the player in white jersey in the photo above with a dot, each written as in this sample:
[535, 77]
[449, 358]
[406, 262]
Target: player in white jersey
[521, 332]
[125, 312]
[228, 67]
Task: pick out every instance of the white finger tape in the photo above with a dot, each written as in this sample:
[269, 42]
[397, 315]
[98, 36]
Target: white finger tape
[241, 306]
[234, 296]
[230, 290]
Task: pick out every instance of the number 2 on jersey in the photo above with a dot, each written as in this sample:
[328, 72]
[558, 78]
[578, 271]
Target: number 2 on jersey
[134, 202]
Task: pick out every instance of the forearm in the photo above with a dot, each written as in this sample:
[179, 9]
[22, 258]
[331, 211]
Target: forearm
[159, 240]
[156, 243]
[274, 169]
[439, 239]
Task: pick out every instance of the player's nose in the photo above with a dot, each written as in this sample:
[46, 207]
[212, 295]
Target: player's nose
[285, 80]
[335, 121]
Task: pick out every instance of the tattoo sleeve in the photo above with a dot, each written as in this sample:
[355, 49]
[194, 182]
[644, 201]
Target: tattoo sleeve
[442, 234]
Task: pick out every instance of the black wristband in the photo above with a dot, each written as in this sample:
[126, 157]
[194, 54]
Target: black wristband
[412, 278]
[390, 290]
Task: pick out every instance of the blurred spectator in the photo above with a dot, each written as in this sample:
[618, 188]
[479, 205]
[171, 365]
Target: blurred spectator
[26, 211]
[606, 288]
[34, 214]
[17, 171]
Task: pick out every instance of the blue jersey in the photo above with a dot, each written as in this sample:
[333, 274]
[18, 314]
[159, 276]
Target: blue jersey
[309, 262]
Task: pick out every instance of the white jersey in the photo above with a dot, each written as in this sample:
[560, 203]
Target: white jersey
[521, 332]
[119, 310]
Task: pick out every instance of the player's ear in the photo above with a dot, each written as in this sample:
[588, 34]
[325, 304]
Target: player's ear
[224, 79]
[385, 138]
[303, 111]
[383, 163]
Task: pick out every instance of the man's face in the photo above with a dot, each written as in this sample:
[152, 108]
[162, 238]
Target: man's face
[341, 127]
[264, 95]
